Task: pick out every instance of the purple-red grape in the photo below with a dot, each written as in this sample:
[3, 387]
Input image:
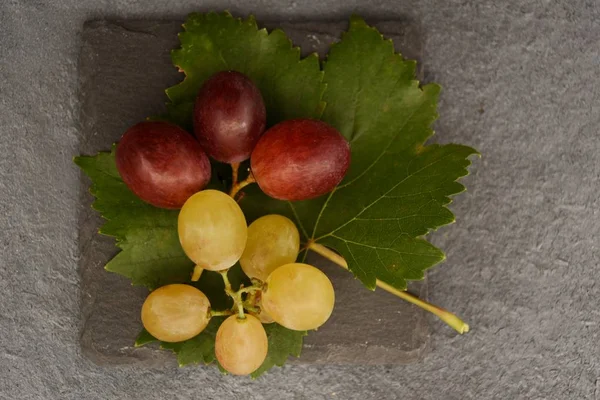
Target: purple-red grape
[162, 164]
[300, 159]
[229, 116]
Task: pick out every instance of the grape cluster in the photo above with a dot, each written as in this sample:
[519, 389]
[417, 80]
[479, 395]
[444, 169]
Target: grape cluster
[294, 160]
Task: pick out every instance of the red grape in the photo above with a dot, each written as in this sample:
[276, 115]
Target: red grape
[300, 159]
[162, 164]
[229, 116]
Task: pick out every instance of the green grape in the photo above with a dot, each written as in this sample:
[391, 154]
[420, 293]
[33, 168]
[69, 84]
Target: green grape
[298, 296]
[175, 313]
[273, 240]
[212, 230]
[241, 344]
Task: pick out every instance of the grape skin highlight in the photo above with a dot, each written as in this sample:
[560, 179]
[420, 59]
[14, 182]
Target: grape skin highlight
[175, 313]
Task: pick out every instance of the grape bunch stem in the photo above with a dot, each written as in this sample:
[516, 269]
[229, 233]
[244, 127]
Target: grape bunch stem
[452, 320]
[238, 301]
[214, 313]
[197, 273]
[239, 185]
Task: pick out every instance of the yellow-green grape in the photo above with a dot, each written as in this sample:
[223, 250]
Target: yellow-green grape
[212, 230]
[263, 316]
[241, 345]
[273, 240]
[298, 296]
[175, 313]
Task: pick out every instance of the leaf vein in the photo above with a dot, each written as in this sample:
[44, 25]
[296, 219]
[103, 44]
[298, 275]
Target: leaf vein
[354, 259]
[298, 219]
[375, 248]
[386, 193]
[383, 248]
[392, 140]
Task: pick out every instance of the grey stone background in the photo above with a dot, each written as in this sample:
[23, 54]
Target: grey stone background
[522, 84]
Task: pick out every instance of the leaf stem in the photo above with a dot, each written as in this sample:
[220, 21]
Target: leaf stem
[446, 316]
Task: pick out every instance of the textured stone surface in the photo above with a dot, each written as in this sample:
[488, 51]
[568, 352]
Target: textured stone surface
[124, 68]
[521, 84]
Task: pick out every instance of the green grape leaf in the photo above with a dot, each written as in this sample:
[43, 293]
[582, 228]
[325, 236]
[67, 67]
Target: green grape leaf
[151, 255]
[397, 189]
[291, 87]
[282, 343]
[199, 349]
[143, 338]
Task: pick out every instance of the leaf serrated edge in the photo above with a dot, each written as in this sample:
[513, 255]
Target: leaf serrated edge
[251, 19]
[469, 151]
[295, 353]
